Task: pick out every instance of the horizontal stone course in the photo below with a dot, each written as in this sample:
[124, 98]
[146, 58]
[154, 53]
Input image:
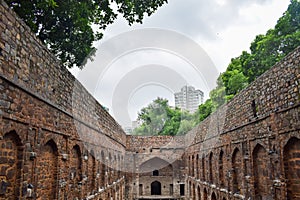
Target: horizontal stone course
[69, 147]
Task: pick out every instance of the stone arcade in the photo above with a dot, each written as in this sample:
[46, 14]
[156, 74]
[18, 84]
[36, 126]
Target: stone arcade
[57, 142]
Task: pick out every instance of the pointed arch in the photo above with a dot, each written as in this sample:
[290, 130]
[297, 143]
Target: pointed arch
[91, 171]
[103, 169]
[291, 155]
[190, 189]
[109, 171]
[205, 195]
[156, 188]
[210, 164]
[213, 196]
[203, 167]
[237, 175]
[221, 168]
[261, 173]
[193, 166]
[75, 171]
[194, 192]
[11, 152]
[119, 166]
[157, 165]
[198, 192]
[47, 171]
[197, 167]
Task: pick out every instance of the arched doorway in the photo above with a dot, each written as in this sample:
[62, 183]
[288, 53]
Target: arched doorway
[75, 172]
[213, 196]
[199, 193]
[261, 173]
[291, 156]
[194, 192]
[11, 161]
[237, 175]
[155, 188]
[103, 169]
[47, 167]
[211, 171]
[203, 167]
[205, 196]
[221, 169]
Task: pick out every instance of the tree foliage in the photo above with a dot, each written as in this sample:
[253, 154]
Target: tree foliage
[204, 110]
[158, 118]
[266, 50]
[65, 26]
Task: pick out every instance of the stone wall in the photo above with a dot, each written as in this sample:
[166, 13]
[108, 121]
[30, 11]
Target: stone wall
[56, 140]
[156, 166]
[29, 64]
[249, 147]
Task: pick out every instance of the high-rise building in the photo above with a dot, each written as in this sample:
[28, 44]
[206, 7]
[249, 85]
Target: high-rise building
[188, 98]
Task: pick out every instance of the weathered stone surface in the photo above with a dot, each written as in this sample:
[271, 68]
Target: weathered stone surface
[57, 142]
[44, 107]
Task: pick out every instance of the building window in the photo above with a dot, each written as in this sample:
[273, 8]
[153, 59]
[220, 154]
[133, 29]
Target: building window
[155, 173]
[171, 189]
[140, 189]
[181, 189]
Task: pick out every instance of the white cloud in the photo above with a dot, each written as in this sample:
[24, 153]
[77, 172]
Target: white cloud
[223, 28]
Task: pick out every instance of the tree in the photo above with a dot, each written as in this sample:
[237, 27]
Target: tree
[204, 110]
[153, 117]
[158, 118]
[233, 78]
[185, 126]
[268, 49]
[65, 26]
[236, 83]
[218, 95]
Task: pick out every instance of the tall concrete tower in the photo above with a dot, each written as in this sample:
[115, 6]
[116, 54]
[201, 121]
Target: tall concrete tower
[189, 98]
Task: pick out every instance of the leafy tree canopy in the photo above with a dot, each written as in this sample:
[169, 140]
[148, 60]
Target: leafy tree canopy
[66, 25]
[158, 118]
[266, 50]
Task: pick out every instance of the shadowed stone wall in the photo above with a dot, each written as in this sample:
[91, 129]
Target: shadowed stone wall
[56, 140]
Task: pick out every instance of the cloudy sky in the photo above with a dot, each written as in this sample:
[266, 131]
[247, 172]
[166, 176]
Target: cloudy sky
[186, 42]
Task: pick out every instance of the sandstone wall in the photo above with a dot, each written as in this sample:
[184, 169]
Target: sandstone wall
[57, 142]
[249, 147]
[146, 154]
[27, 62]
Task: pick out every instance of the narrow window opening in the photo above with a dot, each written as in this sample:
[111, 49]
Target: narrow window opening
[253, 105]
[181, 189]
[140, 189]
[155, 173]
[171, 189]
